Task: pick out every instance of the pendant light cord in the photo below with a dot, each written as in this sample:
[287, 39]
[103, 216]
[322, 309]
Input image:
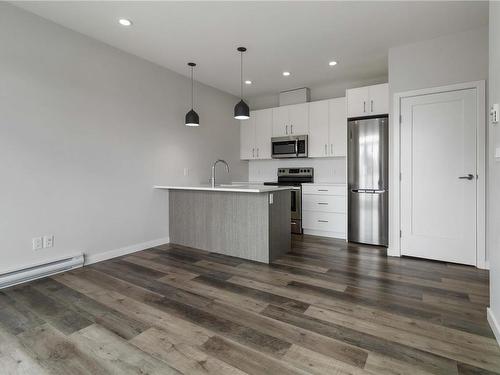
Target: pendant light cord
[192, 89]
[241, 75]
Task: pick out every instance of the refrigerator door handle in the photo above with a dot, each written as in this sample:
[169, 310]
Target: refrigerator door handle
[368, 191]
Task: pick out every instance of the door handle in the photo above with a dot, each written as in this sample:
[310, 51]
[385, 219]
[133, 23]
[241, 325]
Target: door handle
[467, 177]
[291, 129]
[323, 221]
[325, 204]
[253, 152]
[371, 104]
[331, 149]
[364, 106]
[286, 129]
[297, 147]
[326, 148]
[257, 152]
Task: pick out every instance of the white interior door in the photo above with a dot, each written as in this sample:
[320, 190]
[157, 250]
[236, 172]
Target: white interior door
[438, 176]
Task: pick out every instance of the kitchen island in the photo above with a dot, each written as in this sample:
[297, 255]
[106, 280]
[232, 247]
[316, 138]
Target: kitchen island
[245, 221]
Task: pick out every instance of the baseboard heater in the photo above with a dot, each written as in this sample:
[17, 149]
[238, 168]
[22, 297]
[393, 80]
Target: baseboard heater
[38, 271]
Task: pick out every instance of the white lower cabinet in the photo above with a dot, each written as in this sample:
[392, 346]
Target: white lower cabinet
[324, 210]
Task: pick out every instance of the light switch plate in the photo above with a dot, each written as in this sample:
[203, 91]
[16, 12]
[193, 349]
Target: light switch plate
[495, 114]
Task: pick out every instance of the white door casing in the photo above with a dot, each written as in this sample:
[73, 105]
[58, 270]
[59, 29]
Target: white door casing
[438, 148]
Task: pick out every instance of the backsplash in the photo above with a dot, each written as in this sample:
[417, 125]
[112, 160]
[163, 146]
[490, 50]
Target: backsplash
[325, 169]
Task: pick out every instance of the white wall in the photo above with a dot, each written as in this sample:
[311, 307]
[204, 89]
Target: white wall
[325, 169]
[328, 90]
[494, 97]
[460, 57]
[85, 132]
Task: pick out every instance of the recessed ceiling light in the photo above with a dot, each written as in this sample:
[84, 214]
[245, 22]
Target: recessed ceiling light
[125, 22]
[286, 74]
[332, 63]
[248, 82]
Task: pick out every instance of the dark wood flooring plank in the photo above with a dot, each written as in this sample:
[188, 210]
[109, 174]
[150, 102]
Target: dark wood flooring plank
[114, 321]
[246, 359]
[64, 319]
[427, 361]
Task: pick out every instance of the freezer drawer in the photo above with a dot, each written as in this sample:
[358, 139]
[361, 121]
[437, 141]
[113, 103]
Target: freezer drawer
[368, 217]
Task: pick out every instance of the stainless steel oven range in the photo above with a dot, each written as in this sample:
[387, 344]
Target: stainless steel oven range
[294, 177]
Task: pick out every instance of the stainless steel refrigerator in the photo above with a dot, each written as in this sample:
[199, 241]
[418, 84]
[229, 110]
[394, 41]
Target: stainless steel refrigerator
[368, 180]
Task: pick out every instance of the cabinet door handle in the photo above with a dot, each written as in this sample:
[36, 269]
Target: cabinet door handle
[331, 149]
[253, 152]
[322, 189]
[291, 129]
[371, 104]
[323, 203]
[364, 106]
[286, 129]
[326, 148]
[323, 221]
[257, 152]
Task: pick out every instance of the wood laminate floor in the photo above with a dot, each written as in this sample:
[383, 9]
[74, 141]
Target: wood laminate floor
[325, 308]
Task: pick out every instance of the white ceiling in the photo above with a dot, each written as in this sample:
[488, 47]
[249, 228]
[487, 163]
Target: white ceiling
[301, 37]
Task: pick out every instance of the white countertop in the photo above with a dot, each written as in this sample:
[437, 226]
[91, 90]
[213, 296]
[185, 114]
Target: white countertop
[325, 183]
[233, 188]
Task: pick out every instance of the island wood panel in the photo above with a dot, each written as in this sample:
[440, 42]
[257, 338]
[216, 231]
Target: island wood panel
[174, 309]
[241, 225]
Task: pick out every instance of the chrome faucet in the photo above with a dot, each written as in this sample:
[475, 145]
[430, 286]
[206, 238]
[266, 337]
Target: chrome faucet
[213, 170]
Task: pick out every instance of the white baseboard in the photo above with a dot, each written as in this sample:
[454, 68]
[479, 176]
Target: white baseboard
[495, 327]
[393, 253]
[94, 258]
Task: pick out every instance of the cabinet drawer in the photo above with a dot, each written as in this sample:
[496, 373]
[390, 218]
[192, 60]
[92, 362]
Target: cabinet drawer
[325, 221]
[324, 203]
[324, 189]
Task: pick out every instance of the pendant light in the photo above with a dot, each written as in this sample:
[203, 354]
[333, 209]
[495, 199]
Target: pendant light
[241, 110]
[192, 118]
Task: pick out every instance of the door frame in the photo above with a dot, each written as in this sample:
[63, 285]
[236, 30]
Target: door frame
[394, 248]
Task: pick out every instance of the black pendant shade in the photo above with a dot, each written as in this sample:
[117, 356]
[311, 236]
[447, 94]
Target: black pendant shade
[241, 110]
[192, 118]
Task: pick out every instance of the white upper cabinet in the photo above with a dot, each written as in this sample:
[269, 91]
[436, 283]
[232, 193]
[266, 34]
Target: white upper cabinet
[328, 128]
[368, 101]
[263, 133]
[255, 135]
[291, 120]
[337, 125]
[318, 129]
[247, 138]
[379, 99]
[281, 126]
[299, 119]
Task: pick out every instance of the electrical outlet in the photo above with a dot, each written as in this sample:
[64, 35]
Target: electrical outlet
[48, 241]
[37, 243]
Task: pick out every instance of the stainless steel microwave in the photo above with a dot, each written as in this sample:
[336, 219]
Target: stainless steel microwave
[294, 146]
